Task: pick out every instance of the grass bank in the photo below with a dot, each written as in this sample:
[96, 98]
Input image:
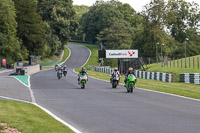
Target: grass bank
[65, 56]
[188, 90]
[28, 118]
[177, 70]
[94, 54]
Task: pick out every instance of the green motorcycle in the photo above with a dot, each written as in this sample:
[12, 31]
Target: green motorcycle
[83, 80]
[130, 83]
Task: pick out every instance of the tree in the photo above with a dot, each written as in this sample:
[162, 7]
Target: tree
[100, 16]
[9, 44]
[30, 27]
[182, 16]
[61, 24]
[117, 36]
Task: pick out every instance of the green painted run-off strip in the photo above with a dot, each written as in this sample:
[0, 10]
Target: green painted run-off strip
[23, 78]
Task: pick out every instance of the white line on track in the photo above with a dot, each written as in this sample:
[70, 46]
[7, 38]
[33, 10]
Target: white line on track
[47, 111]
[18, 100]
[88, 56]
[21, 81]
[44, 109]
[152, 90]
[63, 61]
[140, 88]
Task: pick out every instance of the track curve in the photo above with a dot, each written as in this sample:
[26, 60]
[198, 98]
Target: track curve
[101, 109]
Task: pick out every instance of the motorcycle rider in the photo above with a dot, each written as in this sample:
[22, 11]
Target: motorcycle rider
[56, 67]
[130, 71]
[65, 69]
[114, 72]
[60, 68]
[81, 72]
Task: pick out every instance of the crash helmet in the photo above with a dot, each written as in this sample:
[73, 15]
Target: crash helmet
[83, 69]
[65, 66]
[130, 69]
[115, 69]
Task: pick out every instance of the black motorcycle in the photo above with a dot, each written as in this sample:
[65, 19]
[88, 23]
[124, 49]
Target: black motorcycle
[59, 73]
[65, 72]
[115, 80]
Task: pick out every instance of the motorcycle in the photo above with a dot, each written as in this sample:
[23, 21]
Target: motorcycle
[130, 83]
[115, 80]
[59, 73]
[64, 73]
[56, 67]
[83, 80]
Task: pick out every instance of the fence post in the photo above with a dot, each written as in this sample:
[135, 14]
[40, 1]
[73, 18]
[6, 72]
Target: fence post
[173, 62]
[185, 63]
[167, 61]
[177, 63]
[198, 62]
[189, 62]
[181, 63]
[170, 62]
[149, 61]
[193, 63]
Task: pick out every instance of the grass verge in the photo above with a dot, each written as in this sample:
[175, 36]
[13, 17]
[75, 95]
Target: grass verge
[28, 118]
[175, 70]
[94, 53]
[66, 54]
[188, 90]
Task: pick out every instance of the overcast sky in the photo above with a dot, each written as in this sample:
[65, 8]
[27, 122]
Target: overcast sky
[136, 4]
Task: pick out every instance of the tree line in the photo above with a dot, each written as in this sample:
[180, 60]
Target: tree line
[35, 27]
[163, 24]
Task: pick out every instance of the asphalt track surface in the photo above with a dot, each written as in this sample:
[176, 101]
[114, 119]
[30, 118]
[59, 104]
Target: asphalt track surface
[101, 109]
[10, 87]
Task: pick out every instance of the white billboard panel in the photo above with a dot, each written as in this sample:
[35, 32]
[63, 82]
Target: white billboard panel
[122, 53]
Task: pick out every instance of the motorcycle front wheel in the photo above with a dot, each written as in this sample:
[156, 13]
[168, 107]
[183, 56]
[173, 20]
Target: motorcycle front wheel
[83, 85]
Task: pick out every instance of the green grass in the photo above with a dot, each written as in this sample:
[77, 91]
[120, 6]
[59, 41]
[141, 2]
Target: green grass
[176, 71]
[188, 90]
[28, 118]
[1, 128]
[157, 67]
[66, 54]
[94, 53]
[52, 58]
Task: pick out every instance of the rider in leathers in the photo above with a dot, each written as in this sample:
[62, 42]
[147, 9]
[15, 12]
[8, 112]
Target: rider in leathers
[130, 71]
[81, 72]
[114, 72]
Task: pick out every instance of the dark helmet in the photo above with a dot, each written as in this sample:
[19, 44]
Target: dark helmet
[83, 69]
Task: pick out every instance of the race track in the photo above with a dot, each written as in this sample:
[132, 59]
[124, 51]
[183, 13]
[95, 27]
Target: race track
[101, 109]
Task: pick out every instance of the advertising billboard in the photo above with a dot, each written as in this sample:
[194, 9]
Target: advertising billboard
[133, 53]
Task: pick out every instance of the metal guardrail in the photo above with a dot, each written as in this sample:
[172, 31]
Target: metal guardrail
[53, 62]
[164, 77]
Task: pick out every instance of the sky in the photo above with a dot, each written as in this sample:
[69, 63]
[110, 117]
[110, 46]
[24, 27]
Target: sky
[136, 4]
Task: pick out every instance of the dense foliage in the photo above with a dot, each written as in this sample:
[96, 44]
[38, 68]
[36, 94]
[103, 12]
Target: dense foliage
[35, 27]
[10, 45]
[119, 26]
[43, 27]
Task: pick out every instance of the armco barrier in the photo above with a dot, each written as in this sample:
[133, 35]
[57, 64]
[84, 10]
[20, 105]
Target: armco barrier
[193, 78]
[164, 77]
[53, 62]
